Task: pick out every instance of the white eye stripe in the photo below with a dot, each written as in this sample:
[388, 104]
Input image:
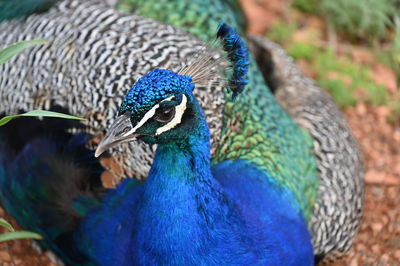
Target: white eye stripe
[179, 110]
[147, 116]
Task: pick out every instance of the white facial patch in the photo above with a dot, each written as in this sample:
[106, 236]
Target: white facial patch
[179, 110]
[147, 116]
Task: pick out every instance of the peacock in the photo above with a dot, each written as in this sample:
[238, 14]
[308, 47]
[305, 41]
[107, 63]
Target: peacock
[265, 164]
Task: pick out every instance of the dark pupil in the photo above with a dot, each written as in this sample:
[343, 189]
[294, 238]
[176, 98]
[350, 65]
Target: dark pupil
[165, 114]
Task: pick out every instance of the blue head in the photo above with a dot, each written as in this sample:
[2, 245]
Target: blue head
[158, 85]
[159, 108]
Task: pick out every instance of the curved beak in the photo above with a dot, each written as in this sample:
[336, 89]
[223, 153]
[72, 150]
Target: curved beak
[119, 132]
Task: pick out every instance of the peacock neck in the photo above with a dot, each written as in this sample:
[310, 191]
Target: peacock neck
[182, 202]
[183, 166]
[185, 159]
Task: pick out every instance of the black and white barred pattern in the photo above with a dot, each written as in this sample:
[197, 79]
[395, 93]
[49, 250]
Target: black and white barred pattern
[339, 205]
[93, 56]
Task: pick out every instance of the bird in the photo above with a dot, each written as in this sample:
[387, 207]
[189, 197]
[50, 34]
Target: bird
[290, 130]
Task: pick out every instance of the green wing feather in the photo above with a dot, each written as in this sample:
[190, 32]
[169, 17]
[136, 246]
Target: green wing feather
[17, 9]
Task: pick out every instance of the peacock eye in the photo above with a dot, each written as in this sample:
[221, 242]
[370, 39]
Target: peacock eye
[165, 114]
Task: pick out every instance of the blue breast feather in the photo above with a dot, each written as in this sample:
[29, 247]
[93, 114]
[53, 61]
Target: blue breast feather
[48, 181]
[247, 220]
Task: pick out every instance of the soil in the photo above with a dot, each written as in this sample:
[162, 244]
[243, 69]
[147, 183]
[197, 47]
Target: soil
[378, 240]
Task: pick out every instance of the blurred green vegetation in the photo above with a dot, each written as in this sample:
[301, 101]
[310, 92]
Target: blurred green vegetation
[307, 6]
[13, 235]
[366, 19]
[371, 24]
[282, 32]
[339, 75]
[371, 21]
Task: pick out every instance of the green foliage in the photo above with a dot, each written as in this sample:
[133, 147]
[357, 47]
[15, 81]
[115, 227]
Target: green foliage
[307, 6]
[42, 113]
[339, 75]
[16, 48]
[6, 225]
[12, 235]
[300, 50]
[367, 19]
[343, 95]
[281, 32]
[374, 21]
[19, 235]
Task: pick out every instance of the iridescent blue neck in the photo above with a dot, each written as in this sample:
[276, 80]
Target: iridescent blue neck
[188, 217]
[186, 161]
[184, 206]
[181, 176]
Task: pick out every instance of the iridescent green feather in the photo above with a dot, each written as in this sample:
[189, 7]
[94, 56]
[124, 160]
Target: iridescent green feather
[18, 9]
[256, 128]
[200, 18]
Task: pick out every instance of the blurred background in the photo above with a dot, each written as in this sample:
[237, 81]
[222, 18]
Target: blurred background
[352, 49]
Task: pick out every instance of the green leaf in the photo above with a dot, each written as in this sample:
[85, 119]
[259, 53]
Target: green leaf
[19, 235]
[43, 113]
[5, 120]
[16, 48]
[6, 225]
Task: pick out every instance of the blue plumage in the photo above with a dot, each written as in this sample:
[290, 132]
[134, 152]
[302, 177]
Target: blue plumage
[189, 214]
[48, 181]
[154, 86]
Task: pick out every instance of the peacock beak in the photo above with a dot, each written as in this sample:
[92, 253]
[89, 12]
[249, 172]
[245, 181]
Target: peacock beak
[119, 132]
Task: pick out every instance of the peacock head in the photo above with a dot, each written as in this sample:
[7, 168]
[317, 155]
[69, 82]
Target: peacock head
[159, 108]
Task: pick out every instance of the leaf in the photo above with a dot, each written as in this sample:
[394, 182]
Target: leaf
[43, 113]
[16, 48]
[5, 120]
[6, 225]
[19, 235]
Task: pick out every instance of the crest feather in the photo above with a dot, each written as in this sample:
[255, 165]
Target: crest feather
[207, 66]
